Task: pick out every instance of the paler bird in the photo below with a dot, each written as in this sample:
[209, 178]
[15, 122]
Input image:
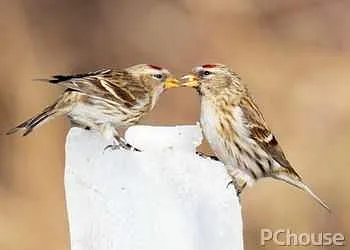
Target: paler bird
[105, 100]
[236, 129]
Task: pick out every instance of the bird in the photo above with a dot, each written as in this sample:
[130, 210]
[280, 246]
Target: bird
[236, 129]
[105, 100]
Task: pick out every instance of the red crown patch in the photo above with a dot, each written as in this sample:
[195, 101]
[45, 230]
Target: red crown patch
[155, 67]
[209, 66]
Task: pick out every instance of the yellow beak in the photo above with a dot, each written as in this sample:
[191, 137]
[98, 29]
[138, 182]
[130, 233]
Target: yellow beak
[171, 83]
[190, 81]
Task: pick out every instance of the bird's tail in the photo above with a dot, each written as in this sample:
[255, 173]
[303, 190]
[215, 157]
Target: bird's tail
[297, 182]
[47, 114]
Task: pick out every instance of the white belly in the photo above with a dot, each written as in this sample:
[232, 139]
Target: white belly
[226, 152]
[209, 123]
[92, 113]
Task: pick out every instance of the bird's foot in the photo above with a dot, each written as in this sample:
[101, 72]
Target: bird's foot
[121, 144]
[238, 187]
[127, 146]
[228, 184]
[112, 147]
[205, 156]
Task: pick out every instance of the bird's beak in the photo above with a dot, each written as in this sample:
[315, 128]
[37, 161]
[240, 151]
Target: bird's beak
[189, 81]
[171, 82]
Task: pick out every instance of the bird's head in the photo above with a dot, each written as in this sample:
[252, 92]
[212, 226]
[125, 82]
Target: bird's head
[211, 79]
[153, 78]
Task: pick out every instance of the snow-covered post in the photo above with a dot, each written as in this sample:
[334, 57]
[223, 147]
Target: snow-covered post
[164, 198]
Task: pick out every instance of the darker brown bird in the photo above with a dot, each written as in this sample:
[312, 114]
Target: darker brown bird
[105, 100]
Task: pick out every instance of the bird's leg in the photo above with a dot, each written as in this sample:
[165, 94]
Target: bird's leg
[114, 146]
[124, 144]
[239, 185]
[118, 141]
[108, 131]
[206, 156]
[237, 182]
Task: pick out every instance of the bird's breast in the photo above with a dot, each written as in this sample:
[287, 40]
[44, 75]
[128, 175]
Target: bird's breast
[228, 138]
[209, 122]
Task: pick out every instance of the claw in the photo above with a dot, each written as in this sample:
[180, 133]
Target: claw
[238, 187]
[228, 184]
[121, 144]
[205, 156]
[112, 147]
[128, 146]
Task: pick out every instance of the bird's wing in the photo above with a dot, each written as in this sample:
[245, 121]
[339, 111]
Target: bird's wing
[61, 79]
[109, 84]
[260, 132]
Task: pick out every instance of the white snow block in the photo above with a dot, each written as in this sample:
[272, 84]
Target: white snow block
[164, 198]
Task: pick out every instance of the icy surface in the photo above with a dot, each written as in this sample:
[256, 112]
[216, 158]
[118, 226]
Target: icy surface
[164, 198]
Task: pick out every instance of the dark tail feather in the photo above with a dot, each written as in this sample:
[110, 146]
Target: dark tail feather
[296, 182]
[55, 79]
[63, 78]
[35, 121]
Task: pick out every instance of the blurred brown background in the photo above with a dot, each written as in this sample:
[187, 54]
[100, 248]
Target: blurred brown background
[294, 55]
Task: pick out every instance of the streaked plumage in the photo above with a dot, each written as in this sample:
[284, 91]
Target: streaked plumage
[236, 130]
[105, 100]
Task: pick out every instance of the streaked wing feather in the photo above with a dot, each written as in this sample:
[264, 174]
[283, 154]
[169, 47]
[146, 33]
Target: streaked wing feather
[115, 85]
[59, 79]
[260, 132]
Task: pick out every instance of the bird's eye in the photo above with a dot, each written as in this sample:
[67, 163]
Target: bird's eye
[204, 73]
[158, 76]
